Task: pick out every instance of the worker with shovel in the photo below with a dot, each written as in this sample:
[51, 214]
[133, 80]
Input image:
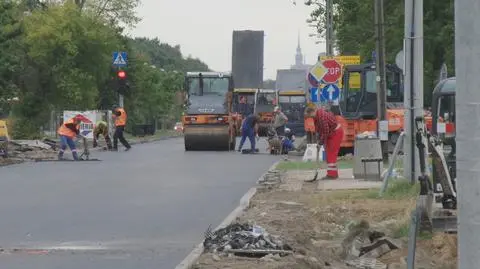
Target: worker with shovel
[330, 135]
[68, 131]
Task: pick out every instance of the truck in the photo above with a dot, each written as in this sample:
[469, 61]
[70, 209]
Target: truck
[243, 104]
[208, 121]
[357, 110]
[292, 88]
[265, 102]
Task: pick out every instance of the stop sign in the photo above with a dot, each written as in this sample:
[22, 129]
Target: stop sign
[334, 71]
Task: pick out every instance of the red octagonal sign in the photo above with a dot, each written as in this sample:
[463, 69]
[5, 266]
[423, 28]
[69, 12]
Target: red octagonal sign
[334, 71]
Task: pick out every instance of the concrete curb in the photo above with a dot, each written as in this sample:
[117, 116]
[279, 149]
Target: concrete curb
[244, 203]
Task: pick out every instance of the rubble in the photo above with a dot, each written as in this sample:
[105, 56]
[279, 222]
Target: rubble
[362, 246]
[271, 178]
[27, 150]
[245, 240]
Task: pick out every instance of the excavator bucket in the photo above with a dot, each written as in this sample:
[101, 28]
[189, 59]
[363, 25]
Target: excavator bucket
[208, 137]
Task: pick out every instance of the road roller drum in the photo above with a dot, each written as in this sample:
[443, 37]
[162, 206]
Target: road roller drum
[207, 137]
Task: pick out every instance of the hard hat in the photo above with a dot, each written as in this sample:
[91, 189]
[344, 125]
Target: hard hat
[277, 108]
[287, 130]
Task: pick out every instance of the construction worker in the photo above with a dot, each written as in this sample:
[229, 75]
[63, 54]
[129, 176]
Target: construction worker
[249, 129]
[330, 135]
[279, 121]
[309, 124]
[68, 131]
[120, 117]
[101, 128]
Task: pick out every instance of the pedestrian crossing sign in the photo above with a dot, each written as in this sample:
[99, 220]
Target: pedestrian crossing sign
[119, 59]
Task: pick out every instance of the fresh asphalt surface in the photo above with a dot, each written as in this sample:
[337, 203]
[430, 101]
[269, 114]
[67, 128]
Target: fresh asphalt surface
[143, 209]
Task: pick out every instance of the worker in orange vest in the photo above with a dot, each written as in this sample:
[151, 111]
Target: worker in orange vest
[120, 117]
[68, 131]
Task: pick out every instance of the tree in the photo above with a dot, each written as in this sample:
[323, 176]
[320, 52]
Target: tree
[355, 32]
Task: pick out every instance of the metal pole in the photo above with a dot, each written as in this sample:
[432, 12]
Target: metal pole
[418, 70]
[413, 82]
[380, 67]
[120, 100]
[329, 30]
[467, 51]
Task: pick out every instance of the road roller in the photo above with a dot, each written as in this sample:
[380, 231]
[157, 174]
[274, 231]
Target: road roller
[243, 104]
[265, 102]
[208, 121]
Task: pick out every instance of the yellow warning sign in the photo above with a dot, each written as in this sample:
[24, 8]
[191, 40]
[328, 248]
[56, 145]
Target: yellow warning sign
[318, 71]
[347, 60]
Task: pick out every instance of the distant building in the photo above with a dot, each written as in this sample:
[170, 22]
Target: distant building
[299, 58]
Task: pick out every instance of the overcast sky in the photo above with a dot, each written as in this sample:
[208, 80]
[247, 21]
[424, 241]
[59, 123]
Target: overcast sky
[203, 29]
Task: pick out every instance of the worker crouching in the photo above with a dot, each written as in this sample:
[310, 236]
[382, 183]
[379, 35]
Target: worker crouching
[68, 131]
[101, 128]
[330, 135]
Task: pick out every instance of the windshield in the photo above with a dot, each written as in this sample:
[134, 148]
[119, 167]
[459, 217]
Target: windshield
[266, 99]
[293, 107]
[446, 108]
[292, 99]
[211, 86]
[243, 103]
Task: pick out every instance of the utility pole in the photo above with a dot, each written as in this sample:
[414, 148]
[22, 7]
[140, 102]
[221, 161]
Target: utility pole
[467, 51]
[329, 27]
[381, 73]
[413, 84]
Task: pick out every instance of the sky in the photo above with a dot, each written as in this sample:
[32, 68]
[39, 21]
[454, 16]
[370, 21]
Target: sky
[203, 29]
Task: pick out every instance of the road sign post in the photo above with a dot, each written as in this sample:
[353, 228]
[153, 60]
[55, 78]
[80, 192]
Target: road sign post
[330, 93]
[119, 59]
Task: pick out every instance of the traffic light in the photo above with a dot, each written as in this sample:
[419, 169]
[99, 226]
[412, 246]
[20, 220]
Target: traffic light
[122, 84]
[121, 75]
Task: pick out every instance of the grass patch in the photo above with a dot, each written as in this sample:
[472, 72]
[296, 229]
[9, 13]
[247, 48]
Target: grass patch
[299, 165]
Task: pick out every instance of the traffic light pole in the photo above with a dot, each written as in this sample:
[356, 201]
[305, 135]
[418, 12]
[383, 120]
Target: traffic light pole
[120, 100]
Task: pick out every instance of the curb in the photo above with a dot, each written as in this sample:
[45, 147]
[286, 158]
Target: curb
[193, 256]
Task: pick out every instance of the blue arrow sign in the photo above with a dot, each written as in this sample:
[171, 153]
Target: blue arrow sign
[119, 59]
[330, 92]
[314, 95]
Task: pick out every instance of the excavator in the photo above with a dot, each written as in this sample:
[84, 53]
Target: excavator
[357, 109]
[208, 122]
[243, 104]
[265, 102]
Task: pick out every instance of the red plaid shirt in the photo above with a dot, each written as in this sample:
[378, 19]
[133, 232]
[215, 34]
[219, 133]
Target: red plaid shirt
[325, 124]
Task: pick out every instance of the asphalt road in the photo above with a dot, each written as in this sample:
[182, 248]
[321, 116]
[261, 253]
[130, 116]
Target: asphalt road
[146, 208]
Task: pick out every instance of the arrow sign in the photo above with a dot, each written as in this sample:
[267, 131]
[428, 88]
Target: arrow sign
[314, 94]
[334, 71]
[330, 93]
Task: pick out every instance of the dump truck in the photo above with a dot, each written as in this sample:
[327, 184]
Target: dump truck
[293, 104]
[265, 102]
[357, 110]
[292, 87]
[208, 122]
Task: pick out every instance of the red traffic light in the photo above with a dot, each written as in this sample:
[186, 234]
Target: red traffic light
[122, 74]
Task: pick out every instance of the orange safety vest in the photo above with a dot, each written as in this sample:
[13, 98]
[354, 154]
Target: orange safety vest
[65, 131]
[122, 119]
[309, 124]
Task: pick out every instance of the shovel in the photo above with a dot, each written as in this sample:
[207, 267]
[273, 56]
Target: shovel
[317, 159]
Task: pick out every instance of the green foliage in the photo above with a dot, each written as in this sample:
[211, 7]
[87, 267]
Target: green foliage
[57, 56]
[355, 32]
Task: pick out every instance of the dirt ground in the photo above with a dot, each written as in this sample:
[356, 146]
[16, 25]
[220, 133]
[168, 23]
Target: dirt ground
[314, 223]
